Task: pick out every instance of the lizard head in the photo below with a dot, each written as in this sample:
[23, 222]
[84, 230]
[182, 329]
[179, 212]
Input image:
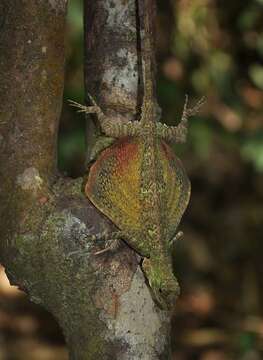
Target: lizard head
[163, 283]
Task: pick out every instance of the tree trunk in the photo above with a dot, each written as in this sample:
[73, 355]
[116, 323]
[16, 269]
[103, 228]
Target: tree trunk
[102, 303]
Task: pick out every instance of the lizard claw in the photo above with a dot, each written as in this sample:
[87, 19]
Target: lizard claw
[187, 112]
[81, 108]
[178, 236]
[80, 253]
[115, 244]
[87, 109]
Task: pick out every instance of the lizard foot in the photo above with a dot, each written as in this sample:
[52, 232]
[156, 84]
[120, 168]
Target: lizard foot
[113, 246]
[174, 240]
[187, 112]
[111, 239]
[94, 109]
[178, 133]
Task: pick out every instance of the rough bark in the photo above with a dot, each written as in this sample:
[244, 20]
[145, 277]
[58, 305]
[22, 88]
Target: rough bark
[101, 302]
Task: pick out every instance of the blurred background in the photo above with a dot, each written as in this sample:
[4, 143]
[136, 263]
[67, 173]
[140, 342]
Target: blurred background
[204, 47]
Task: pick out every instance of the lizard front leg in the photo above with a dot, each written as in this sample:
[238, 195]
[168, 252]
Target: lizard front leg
[111, 127]
[178, 133]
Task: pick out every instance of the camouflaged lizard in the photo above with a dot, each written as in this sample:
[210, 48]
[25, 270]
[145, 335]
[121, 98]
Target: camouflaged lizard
[139, 184]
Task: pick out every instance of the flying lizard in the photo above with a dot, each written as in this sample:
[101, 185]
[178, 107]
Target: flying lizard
[139, 183]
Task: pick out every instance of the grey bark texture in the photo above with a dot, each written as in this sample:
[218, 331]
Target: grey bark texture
[102, 303]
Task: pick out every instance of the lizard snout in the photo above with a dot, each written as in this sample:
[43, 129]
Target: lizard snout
[163, 283]
[169, 295]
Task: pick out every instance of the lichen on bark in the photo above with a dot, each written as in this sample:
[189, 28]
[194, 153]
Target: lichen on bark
[45, 217]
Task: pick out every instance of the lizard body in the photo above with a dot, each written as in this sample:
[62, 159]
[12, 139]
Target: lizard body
[140, 184]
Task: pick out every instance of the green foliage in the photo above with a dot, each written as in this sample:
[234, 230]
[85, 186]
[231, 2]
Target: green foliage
[201, 137]
[256, 75]
[219, 48]
[252, 150]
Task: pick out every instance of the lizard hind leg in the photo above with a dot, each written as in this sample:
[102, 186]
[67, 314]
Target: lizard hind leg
[112, 242]
[111, 239]
[174, 240]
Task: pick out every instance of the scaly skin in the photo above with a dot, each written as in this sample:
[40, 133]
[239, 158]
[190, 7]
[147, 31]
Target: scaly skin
[141, 185]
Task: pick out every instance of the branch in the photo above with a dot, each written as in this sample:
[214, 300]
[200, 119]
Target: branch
[101, 302]
[32, 61]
